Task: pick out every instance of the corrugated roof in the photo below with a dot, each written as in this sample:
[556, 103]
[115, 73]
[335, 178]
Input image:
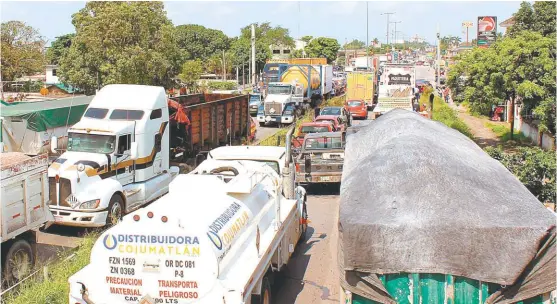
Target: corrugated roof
[22, 108]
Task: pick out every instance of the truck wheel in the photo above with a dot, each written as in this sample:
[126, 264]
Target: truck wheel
[19, 261]
[265, 296]
[303, 227]
[115, 210]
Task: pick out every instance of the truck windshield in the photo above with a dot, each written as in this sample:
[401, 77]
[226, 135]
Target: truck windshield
[330, 111]
[92, 143]
[324, 143]
[279, 90]
[314, 129]
[254, 98]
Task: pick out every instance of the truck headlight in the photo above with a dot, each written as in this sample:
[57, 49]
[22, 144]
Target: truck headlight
[92, 204]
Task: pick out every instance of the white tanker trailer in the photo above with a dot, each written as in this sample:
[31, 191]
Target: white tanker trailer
[216, 237]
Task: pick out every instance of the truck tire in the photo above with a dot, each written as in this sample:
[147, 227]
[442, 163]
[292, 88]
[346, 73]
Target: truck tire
[303, 227]
[19, 261]
[265, 296]
[115, 210]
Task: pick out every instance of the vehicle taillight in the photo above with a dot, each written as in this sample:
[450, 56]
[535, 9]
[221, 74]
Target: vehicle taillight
[297, 167]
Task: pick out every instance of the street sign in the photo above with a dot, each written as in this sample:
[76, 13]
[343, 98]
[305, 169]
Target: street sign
[487, 30]
[467, 24]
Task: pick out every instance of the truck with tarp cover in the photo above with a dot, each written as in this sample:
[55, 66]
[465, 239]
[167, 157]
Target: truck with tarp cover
[445, 222]
[28, 126]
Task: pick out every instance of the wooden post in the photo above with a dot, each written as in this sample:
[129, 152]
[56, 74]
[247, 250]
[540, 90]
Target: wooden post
[512, 117]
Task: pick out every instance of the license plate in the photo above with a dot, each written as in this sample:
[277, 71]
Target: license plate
[57, 218]
[326, 178]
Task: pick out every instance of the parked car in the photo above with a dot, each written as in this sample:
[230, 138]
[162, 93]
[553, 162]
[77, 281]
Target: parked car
[357, 108]
[338, 123]
[309, 128]
[255, 99]
[342, 112]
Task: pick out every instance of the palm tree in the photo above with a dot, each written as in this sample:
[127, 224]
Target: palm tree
[375, 41]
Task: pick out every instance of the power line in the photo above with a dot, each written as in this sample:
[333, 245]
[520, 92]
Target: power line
[388, 14]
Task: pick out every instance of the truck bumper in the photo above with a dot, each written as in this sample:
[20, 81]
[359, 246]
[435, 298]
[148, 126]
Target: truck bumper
[318, 178]
[276, 119]
[67, 217]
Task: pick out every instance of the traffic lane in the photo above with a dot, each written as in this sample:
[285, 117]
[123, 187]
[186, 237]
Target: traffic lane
[311, 276]
[264, 132]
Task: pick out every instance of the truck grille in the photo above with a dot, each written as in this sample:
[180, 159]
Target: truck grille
[273, 105]
[52, 191]
[65, 191]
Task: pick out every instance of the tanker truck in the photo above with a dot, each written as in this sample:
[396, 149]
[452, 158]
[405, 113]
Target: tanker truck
[299, 88]
[219, 236]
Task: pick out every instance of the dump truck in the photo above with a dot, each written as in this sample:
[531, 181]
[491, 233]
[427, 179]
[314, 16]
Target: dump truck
[443, 222]
[201, 122]
[361, 86]
[24, 209]
[116, 160]
[177, 250]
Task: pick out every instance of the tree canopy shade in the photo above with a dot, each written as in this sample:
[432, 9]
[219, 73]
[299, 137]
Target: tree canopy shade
[519, 68]
[137, 46]
[199, 42]
[59, 47]
[191, 70]
[323, 47]
[22, 50]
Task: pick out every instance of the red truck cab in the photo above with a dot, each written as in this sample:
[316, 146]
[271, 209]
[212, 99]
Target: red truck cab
[338, 124]
[311, 127]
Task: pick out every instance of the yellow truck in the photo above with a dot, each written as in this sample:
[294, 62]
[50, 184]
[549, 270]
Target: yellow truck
[360, 86]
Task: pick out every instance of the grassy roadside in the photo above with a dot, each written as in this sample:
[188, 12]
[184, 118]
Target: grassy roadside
[445, 114]
[503, 131]
[278, 137]
[55, 290]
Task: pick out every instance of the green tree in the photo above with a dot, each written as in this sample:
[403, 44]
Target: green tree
[539, 17]
[323, 47]
[516, 69]
[121, 42]
[59, 47]
[199, 42]
[297, 54]
[523, 19]
[22, 50]
[354, 45]
[534, 167]
[306, 39]
[191, 71]
[269, 35]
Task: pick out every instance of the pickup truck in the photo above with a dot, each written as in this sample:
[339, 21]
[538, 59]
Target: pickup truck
[321, 158]
[311, 127]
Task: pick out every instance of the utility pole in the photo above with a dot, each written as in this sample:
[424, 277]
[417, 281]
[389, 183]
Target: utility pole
[253, 68]
[244, 75]
[438, 56]
[388, 14]
[223, 66]
[367, 36]
[395, 23]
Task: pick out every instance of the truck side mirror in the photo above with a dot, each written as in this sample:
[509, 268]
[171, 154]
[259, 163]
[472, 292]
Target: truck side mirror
[134, 151]
[53, 144]
[307, 164]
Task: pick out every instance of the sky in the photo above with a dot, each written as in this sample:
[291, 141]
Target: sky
[344, 20]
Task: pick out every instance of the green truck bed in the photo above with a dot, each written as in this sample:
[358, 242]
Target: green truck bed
[436, 288]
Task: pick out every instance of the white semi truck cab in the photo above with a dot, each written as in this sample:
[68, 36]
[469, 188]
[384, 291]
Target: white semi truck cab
[283, 102]
[117, 157]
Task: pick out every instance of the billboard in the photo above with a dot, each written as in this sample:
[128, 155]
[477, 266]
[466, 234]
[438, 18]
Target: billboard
[487, 30]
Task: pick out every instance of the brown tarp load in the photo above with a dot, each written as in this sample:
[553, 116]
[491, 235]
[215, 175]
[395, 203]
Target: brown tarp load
[419, 197]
